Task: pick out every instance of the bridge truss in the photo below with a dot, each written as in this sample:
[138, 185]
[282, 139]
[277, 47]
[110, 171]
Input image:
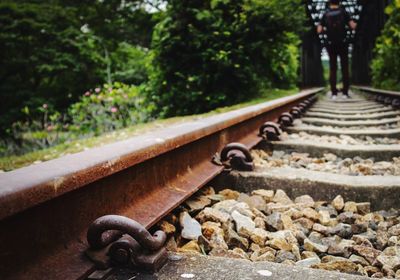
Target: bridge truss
[370, 17]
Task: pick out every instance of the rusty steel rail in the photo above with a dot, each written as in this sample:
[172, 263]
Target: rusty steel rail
[386, 97]
[45, 209]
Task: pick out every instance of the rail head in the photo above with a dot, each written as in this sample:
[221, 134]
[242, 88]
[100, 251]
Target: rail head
[394, 94]
[29, 186]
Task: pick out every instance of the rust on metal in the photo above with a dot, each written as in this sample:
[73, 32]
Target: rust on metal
[388, 100]
[396, 103]
[142, 178]
[236, 156]
[378, 92]
[270, 131]
[130, 242]
[380, 98]
[295, 112]
[383, 96]
[285, 120]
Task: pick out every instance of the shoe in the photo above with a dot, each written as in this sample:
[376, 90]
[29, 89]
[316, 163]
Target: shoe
[345, 96]
[334, 97]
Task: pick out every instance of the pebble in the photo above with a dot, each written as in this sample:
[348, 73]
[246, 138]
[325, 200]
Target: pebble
[274, 222]
[392, 262]
[311, 214]
[338, 203]
[211, 214]
[279, 244]
[283, 255]
[282, 197]
[198, 203]
[344, 266]
[394, 230]
[191, 246]
[167, 227]
[305, 200]
[335, 235]
[259, 236]
[244, 225]
[229, 194]
[308, 262]
[358, 260]
[266, 257]
[191, 228]
[327, 163]
[370, 254]
[314, 247]
[350, 206]
[267, 195]
[342, 139]
[234, 240]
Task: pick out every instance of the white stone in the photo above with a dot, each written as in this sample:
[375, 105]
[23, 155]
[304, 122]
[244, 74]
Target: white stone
[244, 225]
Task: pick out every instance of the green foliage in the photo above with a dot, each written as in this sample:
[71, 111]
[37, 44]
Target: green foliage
[202, 55]
[101, 110]
[219, 52]
[45, 58]
[51, 51]
[386, 64]
[109, 108]
[130, 64]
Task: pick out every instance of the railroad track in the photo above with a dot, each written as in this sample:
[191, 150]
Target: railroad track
[46, 209]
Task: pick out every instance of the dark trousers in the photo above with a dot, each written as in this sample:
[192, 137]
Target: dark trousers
[341, 51]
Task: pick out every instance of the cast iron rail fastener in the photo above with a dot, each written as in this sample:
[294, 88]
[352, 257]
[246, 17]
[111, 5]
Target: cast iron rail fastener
[285, 120]
[123, 241]
[234, 156]
[296, 112]
[270, 131]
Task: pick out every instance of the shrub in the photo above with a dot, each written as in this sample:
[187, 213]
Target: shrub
[386, 64]
[108, 108]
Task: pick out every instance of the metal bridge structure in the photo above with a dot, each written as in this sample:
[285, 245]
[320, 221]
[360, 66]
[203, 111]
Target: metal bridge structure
[370, 18]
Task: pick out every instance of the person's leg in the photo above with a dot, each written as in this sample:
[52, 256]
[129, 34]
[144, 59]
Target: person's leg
[344, 63]
[332, 68]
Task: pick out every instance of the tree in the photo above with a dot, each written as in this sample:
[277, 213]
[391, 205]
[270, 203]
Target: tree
[52, 51]
[45, 58]
[219, 52]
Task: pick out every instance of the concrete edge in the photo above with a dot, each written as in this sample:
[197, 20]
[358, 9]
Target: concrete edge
[378, 152]
[204, 268]
[382, 191]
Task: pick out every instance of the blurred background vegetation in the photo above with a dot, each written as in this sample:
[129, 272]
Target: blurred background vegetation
[73, 69]
[77, 69]
[386, 64]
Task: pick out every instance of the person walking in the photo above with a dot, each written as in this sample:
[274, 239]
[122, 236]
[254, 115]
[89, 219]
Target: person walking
[334, 22]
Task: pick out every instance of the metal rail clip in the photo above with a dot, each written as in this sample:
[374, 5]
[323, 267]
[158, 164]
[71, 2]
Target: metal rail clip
[118, 240]
[380, 98]
[295, 112]
[270, 131]
[388, 100]
[235, 156]
[285, 120]
[303, 107]
[396, 103]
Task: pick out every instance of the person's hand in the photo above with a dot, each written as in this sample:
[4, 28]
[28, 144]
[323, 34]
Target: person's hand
[353, 24]
[320, 29]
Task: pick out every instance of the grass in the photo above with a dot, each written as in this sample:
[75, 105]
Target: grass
[13, 162]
